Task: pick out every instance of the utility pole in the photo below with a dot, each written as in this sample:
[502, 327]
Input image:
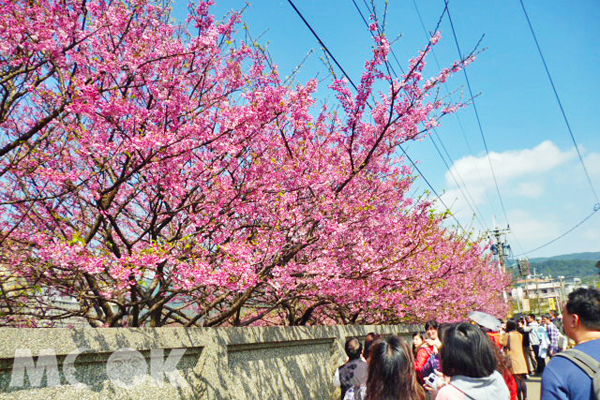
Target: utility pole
[563, 298]
[523, 265]
[500, 248]
[537, 291]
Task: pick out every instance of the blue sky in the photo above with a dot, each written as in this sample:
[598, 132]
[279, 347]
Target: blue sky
[539, 174]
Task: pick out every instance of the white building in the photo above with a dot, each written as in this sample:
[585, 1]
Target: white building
[538, 295]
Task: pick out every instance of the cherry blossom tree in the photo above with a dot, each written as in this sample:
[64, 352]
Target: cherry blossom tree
[155, 173]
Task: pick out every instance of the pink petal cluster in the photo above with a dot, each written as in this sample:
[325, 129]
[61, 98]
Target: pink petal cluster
[160, 174]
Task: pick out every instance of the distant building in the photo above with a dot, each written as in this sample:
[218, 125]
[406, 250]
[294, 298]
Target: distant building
[539, 294]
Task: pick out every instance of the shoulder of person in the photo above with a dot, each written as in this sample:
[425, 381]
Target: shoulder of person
[554, 385]
[591, 347]
[449, 392]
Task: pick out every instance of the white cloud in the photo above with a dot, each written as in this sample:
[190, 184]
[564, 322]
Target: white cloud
[518, 172]
[544, 191]
[533, 230]
[530, 189]
[592, 164]
[509, 165]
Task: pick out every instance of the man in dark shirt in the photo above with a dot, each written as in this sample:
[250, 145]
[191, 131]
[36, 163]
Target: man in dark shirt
[354, 372]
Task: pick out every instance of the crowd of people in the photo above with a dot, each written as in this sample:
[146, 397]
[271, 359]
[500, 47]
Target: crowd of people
[456, 361]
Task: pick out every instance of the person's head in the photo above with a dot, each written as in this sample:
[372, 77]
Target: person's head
[431, 328]
[392, 373]
[369, 339]
[353, 348]
[511, 325]
[467, 351]
[546, 319]
[531, 318]
[581, 314]
[418, 339]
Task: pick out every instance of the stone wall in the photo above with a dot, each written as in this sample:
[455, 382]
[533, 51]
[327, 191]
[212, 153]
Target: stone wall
[175, 363]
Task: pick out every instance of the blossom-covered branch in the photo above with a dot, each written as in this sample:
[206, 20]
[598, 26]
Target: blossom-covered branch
[151, 176]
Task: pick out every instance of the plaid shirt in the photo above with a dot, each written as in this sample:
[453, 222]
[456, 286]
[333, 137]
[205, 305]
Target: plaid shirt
[553, 334]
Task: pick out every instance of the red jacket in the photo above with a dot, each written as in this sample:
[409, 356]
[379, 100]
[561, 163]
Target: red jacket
[495, 336]
[512, 385]
[423, 354]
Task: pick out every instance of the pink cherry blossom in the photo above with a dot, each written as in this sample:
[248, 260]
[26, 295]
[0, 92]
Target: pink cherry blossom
[160, 174]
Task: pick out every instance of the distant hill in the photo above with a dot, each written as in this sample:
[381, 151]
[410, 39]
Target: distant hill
[569, 265]
[590, 256]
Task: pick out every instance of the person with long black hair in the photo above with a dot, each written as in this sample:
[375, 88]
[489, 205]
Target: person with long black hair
[427, 357]
[392, 373]
[469, 366]
[418, 339]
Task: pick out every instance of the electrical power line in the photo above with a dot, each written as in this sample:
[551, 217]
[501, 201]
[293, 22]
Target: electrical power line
[322, 44]
[564, 115]
[477, 214]
[431, 187]
[367, 25]
[596, 208]
[487, 152]
[355, 87]
[562, 110]
[470, 202]
[395, 75]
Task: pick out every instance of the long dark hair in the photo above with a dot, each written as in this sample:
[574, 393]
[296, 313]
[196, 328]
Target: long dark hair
[392, 373]
[503, 363]
[423, 336]
[467, 351]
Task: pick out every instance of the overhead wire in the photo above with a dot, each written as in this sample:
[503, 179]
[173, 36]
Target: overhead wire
[564, 115]
[562, 110]
[482, 224]
[430, 186]
[470, 203]
[480, 127]
[487, 152]
[367, 25]
[322, 44]
[468, 197]
[355, 87]
[401, 148]
[475, 213]
[596, 208]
